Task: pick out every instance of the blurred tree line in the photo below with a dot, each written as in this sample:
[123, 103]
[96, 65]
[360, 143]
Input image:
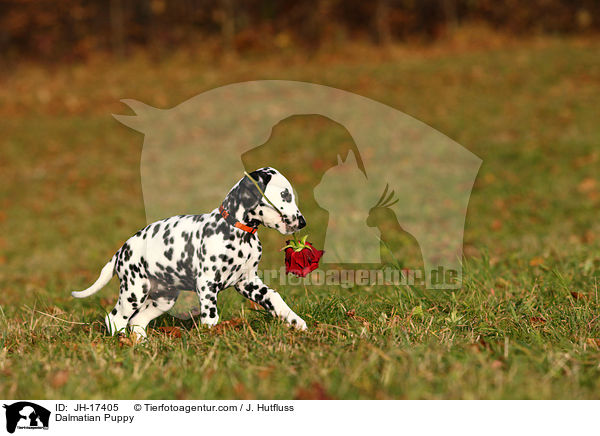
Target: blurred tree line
[64, 29]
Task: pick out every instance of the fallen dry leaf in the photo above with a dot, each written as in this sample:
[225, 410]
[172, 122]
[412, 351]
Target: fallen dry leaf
[241, 392]
[588, 237]
[125, 341]
[586, 185]
[470, 250]
[59, 379]
[71, 345]
[537, 320]
[536, 261]
[226, 325]
[174, 332]
[497, 364]
[496, 225]
[265, 372]
[363, 321]
[316, 391]
[593, 341]
[254, 306]
[352, 314]
[475, 347]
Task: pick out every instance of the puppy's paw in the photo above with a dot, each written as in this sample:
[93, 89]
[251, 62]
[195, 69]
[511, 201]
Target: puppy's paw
[210, 322]
[298, 324]
[138, 335]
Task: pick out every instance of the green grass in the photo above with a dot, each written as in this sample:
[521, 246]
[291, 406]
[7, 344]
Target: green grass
[524, 325]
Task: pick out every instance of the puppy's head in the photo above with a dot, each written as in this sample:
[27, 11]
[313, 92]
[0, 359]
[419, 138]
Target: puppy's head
[247, 204]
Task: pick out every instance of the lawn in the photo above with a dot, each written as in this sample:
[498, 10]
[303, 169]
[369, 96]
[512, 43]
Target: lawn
[526, 323]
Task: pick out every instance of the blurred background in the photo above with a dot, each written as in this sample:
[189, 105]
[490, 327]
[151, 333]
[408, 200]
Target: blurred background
[56, 31]
[516, 83]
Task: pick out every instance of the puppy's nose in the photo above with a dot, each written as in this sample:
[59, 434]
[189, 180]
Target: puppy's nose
[301, 222]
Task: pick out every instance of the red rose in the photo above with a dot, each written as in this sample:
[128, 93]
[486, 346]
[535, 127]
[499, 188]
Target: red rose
[301, 260]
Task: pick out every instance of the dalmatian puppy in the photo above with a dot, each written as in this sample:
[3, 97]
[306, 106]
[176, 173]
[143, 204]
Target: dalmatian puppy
[203, 253]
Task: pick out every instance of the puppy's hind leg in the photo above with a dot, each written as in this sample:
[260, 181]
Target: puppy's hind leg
[158, 302]
[131, 298]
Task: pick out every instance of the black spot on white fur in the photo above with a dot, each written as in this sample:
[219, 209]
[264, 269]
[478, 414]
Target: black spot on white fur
[286, 196]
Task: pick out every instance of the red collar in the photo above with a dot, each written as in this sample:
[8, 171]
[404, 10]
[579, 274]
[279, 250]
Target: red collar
[231, 220]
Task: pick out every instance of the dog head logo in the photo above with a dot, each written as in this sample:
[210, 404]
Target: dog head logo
[192, 155]
[26, 415]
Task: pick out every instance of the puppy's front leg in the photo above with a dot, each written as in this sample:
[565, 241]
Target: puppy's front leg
[207, 295]
[253, 288]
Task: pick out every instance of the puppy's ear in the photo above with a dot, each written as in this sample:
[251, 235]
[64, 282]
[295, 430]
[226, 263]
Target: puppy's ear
[243, 196]
[262, 176]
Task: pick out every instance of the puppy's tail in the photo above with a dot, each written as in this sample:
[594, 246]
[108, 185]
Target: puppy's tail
[105, 275]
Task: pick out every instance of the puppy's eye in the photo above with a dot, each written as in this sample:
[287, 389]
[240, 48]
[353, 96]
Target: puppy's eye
[281, 208]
